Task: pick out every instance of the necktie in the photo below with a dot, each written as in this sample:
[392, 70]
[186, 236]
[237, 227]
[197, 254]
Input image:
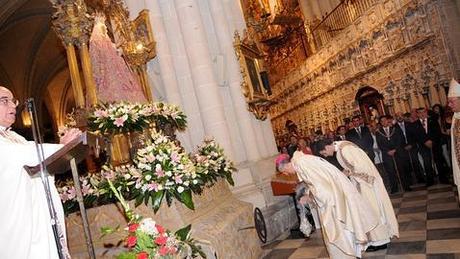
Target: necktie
[425, 125]
[358, 129]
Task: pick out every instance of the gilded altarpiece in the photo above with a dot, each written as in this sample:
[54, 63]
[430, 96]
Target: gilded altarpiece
[397, 48]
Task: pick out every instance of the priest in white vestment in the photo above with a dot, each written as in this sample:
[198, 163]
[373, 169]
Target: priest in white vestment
[345, 218]
[365, 176]
[25, 222]
[454, 102]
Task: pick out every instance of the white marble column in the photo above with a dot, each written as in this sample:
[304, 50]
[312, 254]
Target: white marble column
[205, 84]
[269, 137]
[165, 61]
[225, 39]
[182, 71]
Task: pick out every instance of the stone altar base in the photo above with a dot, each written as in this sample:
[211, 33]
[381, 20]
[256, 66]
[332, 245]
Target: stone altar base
[218, 219]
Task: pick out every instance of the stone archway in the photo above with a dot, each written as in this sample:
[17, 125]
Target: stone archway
[370, 103]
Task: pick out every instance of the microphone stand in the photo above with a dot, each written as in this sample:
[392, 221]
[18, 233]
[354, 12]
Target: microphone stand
[59, 237]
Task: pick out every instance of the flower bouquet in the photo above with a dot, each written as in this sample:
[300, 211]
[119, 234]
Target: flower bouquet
[211, 163]
[89, 187]
[165, 172]
[148, 240]
[116, 118]
[163, 114]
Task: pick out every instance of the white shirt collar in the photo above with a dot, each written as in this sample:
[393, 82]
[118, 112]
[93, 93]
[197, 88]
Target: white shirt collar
[3, 128]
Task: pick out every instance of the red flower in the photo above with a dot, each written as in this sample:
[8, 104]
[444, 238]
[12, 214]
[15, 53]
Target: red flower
[133, 227]
[142, 255]
[163, 250]
[161, 240]
[160, 229]
[131, 241]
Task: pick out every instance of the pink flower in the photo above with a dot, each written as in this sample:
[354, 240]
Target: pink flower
[159, 172]
[175, 157]
[153, 186]
[150, 157]
[120, 121]
[161, 240]
[101, 113]
[131, 241]
[163, 250]
[71, 194]
[178, 179]
[142, 255]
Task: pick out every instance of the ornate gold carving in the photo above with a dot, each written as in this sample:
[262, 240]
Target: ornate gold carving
[71, 21]
[250, 58]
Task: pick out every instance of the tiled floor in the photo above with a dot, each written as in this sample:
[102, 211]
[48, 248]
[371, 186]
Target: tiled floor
[429, 226]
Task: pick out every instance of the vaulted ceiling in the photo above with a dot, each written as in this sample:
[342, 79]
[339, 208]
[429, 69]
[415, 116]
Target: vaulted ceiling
[31, 55]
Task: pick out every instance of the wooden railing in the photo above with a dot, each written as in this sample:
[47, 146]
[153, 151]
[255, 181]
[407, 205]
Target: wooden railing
[338, 19]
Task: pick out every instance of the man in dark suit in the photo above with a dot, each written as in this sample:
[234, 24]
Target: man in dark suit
[405, 126]
[292, 147]
[428, 136]
[390, 141]
[361, 136]
[340, 133]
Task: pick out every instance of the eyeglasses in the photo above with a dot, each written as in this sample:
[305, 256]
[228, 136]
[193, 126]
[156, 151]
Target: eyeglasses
[5, 101]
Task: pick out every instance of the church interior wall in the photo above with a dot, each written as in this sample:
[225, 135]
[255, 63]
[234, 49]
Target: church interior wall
[398, 47]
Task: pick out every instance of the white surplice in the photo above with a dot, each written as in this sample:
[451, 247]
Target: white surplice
[25, 223]
[455, 140]
[345, 217]
[369, 183]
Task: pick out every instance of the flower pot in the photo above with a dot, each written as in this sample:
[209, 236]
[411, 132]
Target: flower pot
[119, 149]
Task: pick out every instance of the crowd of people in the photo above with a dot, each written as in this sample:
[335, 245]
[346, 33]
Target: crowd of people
[406, 148]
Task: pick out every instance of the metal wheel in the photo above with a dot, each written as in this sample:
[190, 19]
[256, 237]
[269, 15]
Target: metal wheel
[261, 228]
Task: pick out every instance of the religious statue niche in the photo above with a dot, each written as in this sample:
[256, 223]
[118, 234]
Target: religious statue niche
[370, 103]
[250, 58]
[143, 33]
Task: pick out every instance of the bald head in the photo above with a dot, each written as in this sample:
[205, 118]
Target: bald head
[7, 107]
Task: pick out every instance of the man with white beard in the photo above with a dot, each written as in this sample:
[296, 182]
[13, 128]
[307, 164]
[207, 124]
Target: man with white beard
[345, 218]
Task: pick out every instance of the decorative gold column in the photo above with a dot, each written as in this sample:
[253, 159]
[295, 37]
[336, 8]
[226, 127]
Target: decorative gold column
[144, 79]
[75, 76]
[72, 25]
[86, 66]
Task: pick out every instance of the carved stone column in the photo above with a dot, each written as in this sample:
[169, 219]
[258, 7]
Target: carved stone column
[246, 130]
[205, 83]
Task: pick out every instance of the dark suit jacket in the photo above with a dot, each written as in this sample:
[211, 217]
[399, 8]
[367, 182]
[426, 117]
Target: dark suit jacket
[410, 135]
[365, 141]
[434, 132]
[394, 141]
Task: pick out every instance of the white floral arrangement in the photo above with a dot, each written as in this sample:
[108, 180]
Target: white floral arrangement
[167, 113]
[211, 163]
[115, 118]
[89, 186]
[166, 173]
[122, 117]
